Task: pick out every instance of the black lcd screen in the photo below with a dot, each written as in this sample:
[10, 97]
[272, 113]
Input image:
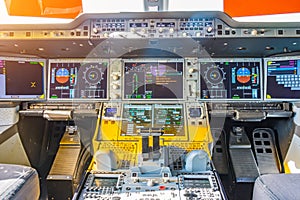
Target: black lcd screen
[22, 79]
[78, 80]
[231, 80]
[282, 79]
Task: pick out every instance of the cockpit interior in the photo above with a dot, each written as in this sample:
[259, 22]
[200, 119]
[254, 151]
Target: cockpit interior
[150, 105]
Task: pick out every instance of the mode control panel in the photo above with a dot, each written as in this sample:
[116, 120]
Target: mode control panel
[196, 27]
[150, 25]
[152, 28]
[101, 28]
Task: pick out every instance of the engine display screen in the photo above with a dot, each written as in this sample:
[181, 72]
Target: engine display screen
[77, 79]
[169, 118]
[136, 117]
[22, 79]
[282, 80]
[231, 79]
[166, 117]
[153, 79]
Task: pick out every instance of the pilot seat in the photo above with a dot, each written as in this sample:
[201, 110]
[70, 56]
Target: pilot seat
[18, 182]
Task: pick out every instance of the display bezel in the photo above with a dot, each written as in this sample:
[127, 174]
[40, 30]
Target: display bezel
[266, 60]
[148, 60]
[81, 61]
[44, 82]
[214, 60]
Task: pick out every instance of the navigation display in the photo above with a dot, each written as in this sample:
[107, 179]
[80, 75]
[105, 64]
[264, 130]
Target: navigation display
[77, 79]
[22, 79]
[153, 79]
[225, 79]
[282, 79]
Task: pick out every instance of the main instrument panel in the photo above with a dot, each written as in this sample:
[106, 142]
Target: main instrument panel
[147, 79]
[156, 79]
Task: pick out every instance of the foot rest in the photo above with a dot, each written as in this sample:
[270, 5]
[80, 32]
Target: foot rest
[265, 151]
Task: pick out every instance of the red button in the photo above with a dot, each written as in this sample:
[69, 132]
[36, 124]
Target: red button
[162, 187]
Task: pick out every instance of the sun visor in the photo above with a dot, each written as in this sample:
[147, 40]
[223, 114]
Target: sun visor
[44, 8]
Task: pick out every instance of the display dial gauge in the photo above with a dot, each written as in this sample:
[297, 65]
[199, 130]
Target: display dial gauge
[214, 76]
[93, 75]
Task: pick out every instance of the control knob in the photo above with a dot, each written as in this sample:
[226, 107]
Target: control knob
[254, 32]
[115, 86]
[171, 30]
[150, 182]
[209, 29]
[95, 30]
[116, 77]
[198, 34]
[106, 35]
[192, 70]
[115, 96]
